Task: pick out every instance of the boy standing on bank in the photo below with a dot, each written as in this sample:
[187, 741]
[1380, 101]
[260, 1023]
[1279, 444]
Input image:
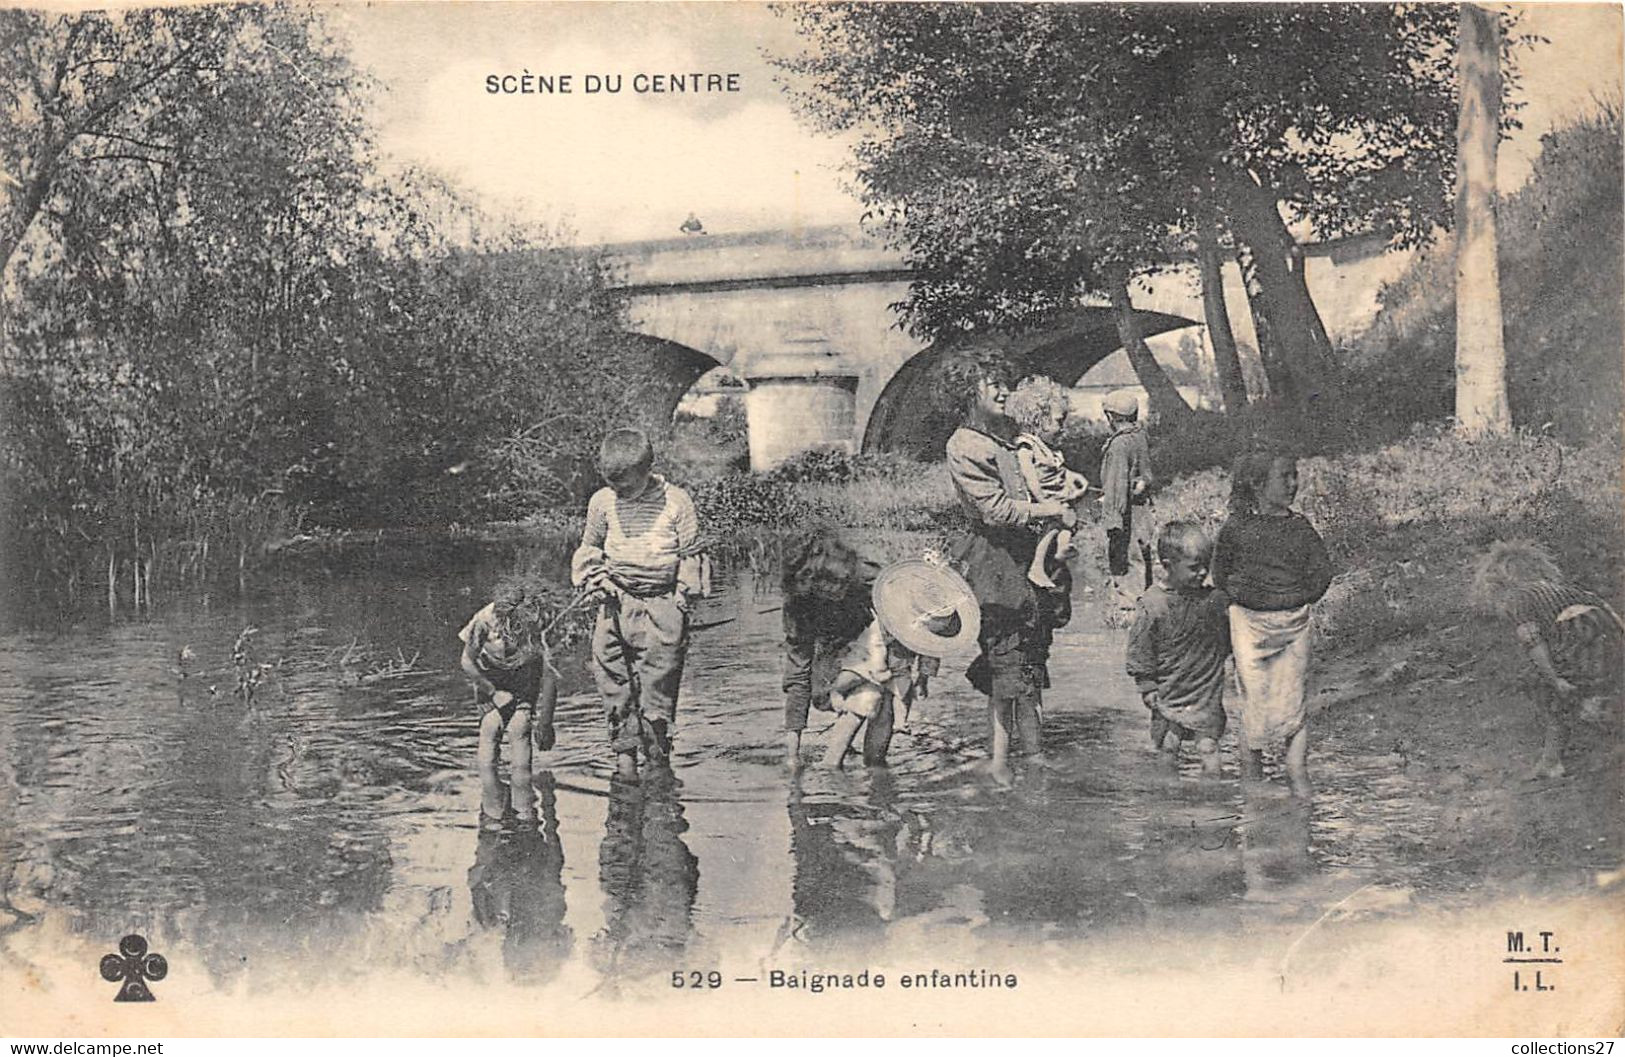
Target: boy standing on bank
[1125, 478]
[639, 555]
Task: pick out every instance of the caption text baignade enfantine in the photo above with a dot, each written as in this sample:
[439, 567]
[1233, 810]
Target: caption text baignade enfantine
[527, 83]
[936, 979]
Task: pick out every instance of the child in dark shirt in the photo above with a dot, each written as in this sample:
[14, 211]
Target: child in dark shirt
[1178, 645]
[1273, 566]
[1572, 637]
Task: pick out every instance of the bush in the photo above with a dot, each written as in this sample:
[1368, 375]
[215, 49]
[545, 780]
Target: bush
[834, 466]
[750, 499]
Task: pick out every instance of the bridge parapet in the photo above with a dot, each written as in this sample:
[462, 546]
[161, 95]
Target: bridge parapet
[755, 258]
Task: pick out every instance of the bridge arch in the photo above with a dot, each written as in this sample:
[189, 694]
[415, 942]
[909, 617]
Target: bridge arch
[908, 418]
[670, 368]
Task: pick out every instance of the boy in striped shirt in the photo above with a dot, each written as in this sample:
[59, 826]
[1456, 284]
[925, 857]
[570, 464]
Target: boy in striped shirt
[639, 554]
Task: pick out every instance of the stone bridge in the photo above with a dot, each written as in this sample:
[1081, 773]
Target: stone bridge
[805, 318]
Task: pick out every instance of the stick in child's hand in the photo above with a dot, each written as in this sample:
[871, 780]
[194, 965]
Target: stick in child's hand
[541, 730]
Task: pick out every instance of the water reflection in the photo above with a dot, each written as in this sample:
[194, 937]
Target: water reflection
[648, 874]
[517, 881]
[303, 837]
[846, 851]
[1274, 844]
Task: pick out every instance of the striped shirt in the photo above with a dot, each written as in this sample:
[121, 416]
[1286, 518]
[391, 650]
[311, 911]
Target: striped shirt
[646, 543]
[1581, 632]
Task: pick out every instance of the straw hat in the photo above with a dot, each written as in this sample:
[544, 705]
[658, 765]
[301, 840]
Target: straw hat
[927, 607]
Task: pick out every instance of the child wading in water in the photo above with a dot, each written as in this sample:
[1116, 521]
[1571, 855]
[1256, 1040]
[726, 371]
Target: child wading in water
[1038, 407]
[515, 686]
[827, 606]
[1178, 645]
[1273, 566]
[1017, 619]
[1572, 637]
[922, 611]
[639, 555]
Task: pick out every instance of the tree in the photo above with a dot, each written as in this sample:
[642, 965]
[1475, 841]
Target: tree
[1112, 133]
[1226, 359]
[222, 308]
[1481, 386]
[1002, 221]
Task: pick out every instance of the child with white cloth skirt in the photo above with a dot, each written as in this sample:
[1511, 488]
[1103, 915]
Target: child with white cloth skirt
[1273, 566]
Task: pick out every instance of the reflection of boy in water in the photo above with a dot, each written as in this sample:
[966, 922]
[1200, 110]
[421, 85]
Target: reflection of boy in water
[516, 884]
[649, 876]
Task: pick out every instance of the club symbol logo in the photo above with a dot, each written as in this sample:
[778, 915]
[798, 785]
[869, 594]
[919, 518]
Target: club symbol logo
[133, 965]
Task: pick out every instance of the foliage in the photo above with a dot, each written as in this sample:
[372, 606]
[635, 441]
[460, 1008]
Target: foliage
[749, 499]
[904, 497]
[221, 308]
[1025, 155]
[834, 466]
[1563, 299]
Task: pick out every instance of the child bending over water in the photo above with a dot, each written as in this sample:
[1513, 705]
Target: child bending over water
[875, 685]
[922, 612]
[1038, 407]
[1273, 566]
[1178, 645]
[515, 687]
[1571, 636]
[827, 602]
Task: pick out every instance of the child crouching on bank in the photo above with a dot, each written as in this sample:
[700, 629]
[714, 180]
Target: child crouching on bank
[1574, 640]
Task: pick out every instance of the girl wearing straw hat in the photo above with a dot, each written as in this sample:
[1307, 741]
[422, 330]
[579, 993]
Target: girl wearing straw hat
[923, 612]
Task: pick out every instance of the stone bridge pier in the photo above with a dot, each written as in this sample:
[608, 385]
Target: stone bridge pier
[799, 404]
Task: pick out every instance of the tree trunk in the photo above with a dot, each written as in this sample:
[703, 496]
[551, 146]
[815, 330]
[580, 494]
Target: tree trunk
[1276, 371]
[1481, 387]
[1226, 362]
[1293, 319]
[1161, 393]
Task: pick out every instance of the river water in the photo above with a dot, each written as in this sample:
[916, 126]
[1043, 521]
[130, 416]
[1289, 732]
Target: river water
[334, 823]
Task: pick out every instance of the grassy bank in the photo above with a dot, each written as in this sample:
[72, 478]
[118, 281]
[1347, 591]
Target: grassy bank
[1562, 298]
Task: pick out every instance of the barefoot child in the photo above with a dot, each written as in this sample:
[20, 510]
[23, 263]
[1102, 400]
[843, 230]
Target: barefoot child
[639, 555]
[827, 606]
[923, 611]
[1273, 566]
[1572, 637]
[1178, 645]
[1038, 408]
[515, 687]
[1017, 620]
